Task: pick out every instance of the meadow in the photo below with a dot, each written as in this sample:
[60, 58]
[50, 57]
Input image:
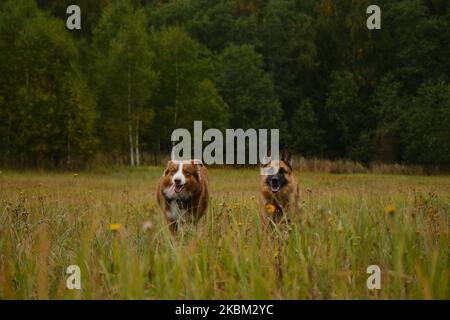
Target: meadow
[108, 224]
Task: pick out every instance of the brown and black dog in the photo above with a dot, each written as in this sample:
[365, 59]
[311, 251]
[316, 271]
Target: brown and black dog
[279, 190]
[183, 192]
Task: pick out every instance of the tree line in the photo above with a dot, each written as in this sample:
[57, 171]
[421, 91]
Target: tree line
[114, 91]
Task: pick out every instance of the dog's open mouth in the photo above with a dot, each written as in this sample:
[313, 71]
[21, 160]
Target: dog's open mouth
[275, 188]
[179, 188]
[175, 188]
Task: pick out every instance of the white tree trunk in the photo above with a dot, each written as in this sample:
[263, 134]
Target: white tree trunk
[130, 138]
[138, 156]
[130, 129]
[68, 150]
[176, 89]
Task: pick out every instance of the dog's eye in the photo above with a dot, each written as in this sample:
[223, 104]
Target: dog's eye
[187, 174]
[170, 171]
[281, 171]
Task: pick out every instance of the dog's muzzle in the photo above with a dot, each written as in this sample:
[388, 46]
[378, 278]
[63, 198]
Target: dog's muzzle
[178, 185]
[274, 184]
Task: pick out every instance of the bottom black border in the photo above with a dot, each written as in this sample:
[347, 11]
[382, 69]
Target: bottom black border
[224, 309]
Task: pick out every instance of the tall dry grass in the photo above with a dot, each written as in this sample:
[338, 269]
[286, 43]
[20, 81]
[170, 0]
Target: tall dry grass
[349, 166]
[109, 225]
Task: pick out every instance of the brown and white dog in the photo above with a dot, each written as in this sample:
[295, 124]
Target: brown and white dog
[183, 192]
[279, 190]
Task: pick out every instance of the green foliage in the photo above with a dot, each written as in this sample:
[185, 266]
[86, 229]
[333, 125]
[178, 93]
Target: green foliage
[427, 126]
[139, 69]
[344, 112]
[289, 50]
[306, 133]
[187, 92]
[90, 10]
[223, 23]
[417, 45]
[214, 23]
[43, 88]
[79, 117]
[247, 88]
[209, 106]
[388, 105]
[388, 108]
[125, 76]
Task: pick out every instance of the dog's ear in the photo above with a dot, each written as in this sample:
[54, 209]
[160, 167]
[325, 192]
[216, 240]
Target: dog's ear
[286, 156]
[169, 164]
[197, 164]
[267, 158]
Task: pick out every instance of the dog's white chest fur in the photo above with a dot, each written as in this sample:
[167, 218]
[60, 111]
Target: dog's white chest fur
[175, 212]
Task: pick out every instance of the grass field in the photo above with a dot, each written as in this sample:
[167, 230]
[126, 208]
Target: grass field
[109, 225]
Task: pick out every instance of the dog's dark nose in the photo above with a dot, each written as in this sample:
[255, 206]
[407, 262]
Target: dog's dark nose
[177, 181]
[275, 181]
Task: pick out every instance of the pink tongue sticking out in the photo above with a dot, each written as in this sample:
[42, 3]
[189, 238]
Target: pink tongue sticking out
[172, 190]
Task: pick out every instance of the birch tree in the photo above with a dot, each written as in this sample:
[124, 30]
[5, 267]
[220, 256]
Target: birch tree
[126, 77]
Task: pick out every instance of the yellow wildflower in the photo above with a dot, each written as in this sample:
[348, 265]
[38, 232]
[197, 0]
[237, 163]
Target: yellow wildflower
[115, 226]
[390, 209]
[270, 208]
[339, 227]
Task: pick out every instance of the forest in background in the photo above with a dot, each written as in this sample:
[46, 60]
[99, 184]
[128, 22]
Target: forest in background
[113, 92]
